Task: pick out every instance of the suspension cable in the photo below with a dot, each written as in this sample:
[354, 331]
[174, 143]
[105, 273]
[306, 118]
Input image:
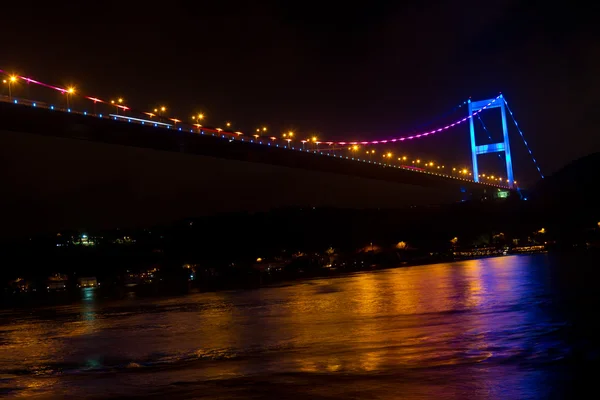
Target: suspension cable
[524, 141]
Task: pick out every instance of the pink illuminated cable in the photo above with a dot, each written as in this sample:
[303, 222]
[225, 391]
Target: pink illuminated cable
[36, 82]
[63, 90]
[342, 143]
[417, 136]
[43, 84]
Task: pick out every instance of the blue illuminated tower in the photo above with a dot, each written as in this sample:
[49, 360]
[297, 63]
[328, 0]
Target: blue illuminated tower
[503, 146]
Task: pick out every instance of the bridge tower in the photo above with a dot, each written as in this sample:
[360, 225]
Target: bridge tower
[502, 147]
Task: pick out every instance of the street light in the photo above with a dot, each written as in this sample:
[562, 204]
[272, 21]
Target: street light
[228, 124]
[288, 137]
[70, 91]
[116, 104]
[11, 79]
[198, 117]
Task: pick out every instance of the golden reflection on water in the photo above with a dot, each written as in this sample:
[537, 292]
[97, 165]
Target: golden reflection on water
[86, 323]
[33, 341]
[370, 361]
[383, 321]
[367, 299]
[391, 317]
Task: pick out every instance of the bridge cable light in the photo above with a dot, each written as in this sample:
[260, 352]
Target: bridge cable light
[432, 132]
[523, 137]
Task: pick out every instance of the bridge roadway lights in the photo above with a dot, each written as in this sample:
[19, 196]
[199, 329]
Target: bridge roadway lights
[476, 150]
[498, 147]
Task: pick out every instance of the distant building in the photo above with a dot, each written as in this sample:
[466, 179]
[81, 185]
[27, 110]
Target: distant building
[57, 282]
[84, 240]
[21, 285]
[268, 265]
[125, 240]
[84, 282]
[142, 277]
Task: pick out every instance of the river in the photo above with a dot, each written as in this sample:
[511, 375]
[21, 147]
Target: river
[514, 327]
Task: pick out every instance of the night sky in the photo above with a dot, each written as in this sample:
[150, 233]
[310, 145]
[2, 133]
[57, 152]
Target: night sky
[373, 69]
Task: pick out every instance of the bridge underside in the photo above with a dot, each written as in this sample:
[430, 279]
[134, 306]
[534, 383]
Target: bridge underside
[73, 171]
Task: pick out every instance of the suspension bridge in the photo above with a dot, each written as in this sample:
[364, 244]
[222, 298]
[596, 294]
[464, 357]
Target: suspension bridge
[87, 118]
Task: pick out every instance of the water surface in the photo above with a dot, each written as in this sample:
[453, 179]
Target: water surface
[514, 327]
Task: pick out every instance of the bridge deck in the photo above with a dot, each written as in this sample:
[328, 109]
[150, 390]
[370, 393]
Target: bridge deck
[24, 118]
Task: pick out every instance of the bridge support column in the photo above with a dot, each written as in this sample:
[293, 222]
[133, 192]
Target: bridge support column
[503, 146]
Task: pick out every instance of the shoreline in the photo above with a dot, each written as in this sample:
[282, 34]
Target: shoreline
[73, 296]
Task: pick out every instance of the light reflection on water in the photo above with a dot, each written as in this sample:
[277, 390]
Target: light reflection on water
[479, 329]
